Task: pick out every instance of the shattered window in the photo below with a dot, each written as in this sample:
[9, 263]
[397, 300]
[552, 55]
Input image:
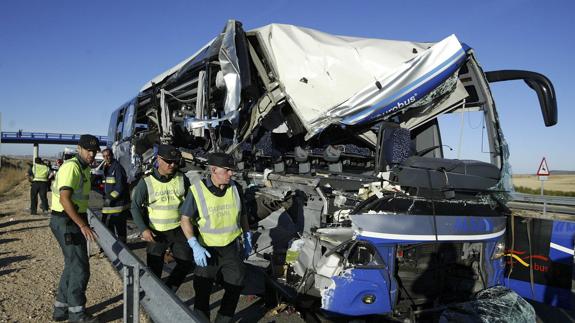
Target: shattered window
[128, 122]
[464, 136]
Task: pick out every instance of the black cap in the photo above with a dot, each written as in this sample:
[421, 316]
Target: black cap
[222, 160]
[169, 153]
[89, 142]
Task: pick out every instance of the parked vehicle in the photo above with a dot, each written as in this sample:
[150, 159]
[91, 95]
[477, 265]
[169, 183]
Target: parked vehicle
[67, 153]
[97, 173]
[360, 206]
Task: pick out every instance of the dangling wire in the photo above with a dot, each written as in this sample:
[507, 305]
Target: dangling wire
[461, 131]
[512, 246]
[528, 223]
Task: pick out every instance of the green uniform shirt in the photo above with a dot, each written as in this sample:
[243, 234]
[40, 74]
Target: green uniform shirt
[73, 175]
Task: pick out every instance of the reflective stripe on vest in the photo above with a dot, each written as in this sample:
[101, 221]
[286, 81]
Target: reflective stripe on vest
[164, 200]
[114, 209]
[219, 217]
[110, 180]
[40, 173]
[80, 195]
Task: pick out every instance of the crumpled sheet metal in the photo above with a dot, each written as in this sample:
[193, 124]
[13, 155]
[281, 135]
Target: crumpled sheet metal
[496, 304]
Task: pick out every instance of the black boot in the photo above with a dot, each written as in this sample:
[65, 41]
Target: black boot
[85, 318]
[220, 318]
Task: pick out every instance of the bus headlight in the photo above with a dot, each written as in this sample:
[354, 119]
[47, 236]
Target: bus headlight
[368, 299]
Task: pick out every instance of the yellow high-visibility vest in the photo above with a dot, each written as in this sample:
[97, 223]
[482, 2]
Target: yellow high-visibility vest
[71, 174]
[219, 217]
[40, 172]
[164, 200]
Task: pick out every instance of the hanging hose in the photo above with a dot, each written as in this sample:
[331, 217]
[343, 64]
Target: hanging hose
[516, 257]
[513, 247]
[528, 223]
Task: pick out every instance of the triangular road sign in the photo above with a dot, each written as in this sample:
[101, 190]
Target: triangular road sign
[543, 168]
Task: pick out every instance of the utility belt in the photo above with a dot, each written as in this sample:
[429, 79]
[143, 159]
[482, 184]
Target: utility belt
[237, 242]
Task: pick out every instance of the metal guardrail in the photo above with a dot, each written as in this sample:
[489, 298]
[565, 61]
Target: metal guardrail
[556, 200]
[9, 137]
[141, 286]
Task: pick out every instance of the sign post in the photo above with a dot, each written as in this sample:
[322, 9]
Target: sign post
[543, 173]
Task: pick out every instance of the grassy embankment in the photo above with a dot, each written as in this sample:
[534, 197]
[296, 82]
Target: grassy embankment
[558, 185]
[12, 172]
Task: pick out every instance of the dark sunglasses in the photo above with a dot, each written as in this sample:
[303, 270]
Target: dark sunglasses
[169, 161]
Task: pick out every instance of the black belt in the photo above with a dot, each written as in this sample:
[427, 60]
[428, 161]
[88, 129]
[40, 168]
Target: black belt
[58, 213]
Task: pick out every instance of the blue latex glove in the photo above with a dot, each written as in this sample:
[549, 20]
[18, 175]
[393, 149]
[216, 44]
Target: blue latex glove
[200, 252]
[248, 247]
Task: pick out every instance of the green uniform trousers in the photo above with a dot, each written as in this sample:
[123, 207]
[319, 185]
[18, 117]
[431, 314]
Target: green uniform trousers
[71, 295]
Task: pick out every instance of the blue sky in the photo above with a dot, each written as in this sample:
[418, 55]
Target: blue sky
[65, 65]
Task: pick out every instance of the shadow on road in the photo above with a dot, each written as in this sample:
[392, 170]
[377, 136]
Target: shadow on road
[3, 214]
[25, 229]
[113, 314]
[6, 272]
[8, 240]
[9, 223]
[9, 260]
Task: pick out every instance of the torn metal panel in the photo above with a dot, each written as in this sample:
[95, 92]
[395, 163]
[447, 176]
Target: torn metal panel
[231, 71]
[163, 76]
[310, 62]
[331, 79]
[123, 154]
[445, 97]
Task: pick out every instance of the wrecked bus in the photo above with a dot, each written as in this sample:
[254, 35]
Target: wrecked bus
[359, 204]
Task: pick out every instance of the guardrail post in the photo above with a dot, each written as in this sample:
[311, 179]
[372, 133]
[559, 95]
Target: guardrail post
[159, 302]
[132, 293]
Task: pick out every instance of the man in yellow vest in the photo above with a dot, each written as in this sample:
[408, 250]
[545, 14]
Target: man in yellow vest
[213, 220]
[156, 200]
[38, 176]
[69, 224]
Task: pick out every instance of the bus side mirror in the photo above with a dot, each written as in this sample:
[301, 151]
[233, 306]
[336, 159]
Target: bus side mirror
[539, 83]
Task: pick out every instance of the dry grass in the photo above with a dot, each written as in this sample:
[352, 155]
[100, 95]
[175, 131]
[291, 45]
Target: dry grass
[565, 183]
[12, 172]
